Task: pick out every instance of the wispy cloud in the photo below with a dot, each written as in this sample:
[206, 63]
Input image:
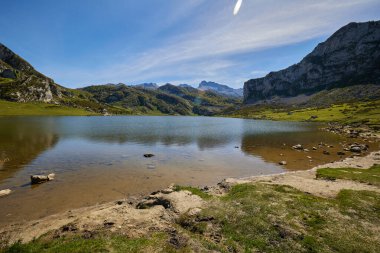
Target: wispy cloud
[205, 49]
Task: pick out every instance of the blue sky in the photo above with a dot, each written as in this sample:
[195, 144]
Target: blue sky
[79, 43]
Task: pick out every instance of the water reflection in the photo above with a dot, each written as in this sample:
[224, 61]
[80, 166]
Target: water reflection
[105, 154]
[21, 141]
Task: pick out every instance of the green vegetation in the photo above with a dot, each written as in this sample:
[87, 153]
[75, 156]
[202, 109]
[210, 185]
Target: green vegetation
[254, 217]
[193, 190]
[39, 109]
[271, 218]
[156, 242]
[361, 112]
[369, 176]
[166, 100]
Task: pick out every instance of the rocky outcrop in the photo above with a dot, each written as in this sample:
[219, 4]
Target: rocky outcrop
[21, 82]
[349, 57]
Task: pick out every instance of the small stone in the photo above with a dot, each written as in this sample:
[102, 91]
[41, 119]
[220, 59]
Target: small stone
[309, 157]
[306, 150]
[5, 192]
[39, 179]
[340, 153]
[283, 163]
[236, 146]
[326, 152]
[298, 147]
[314, 148]
[148, 155]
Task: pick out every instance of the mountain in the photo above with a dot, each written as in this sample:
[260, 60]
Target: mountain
[21, 82]
[221, 89]
[152, 86]
[351, 56]
[184, 85]
[167, 99]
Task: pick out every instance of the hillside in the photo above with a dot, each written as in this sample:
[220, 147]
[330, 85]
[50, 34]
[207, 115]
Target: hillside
[167, 99]
[351, 56]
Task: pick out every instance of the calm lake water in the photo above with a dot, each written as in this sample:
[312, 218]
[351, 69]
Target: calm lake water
[99, 159]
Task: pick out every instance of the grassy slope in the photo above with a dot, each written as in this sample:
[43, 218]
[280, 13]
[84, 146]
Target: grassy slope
[257, 218]
[39, 109]
[361, 112]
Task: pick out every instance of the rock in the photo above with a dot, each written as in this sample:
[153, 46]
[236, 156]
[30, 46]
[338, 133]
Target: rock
[314, 117]
[179, 202]
[314, 148]
[358, 148]
[340, 153]
[5, 192]
[331, 64]
[283, 163]
[148, 155]
[326, 152]
[306, 150]
[308, 157]
[236, 146]
[39, 179]
[298, 147]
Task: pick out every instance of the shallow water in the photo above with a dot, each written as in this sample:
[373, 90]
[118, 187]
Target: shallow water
[99, 159]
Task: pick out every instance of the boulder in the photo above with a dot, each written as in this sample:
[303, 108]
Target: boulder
[39, 179]
[180, 202]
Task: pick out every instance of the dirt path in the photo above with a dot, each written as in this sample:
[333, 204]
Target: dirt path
[306, 180]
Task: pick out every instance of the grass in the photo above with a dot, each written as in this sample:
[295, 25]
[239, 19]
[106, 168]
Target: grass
[361, 112]
[157, 243]
[369, 176]
[257, 217]
[193, 190]
[39, 109]
[271, 218]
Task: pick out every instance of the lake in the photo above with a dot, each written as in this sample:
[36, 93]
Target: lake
[100, 159]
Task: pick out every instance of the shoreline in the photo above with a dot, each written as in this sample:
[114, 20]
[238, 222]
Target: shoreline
[159, 210]
[137, 217]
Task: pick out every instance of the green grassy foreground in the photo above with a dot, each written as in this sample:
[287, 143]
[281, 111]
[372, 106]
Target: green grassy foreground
[101, 243]
[257, 217]
[361, 112]
[370, 176]
[39, 109]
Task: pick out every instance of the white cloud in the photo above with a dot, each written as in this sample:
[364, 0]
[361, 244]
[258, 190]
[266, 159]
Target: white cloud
[204, 51]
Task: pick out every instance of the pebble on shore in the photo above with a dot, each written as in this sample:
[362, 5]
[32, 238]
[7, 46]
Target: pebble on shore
[5, 192]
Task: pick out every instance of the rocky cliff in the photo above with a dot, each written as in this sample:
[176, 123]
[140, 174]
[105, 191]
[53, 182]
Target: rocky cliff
[349, 57]
[21, 82]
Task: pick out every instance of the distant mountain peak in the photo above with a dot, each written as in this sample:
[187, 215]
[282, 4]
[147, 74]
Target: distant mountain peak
[152, 86]
[220, 89]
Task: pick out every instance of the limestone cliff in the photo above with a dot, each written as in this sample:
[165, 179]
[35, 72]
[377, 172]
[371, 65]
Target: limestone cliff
[349, 57]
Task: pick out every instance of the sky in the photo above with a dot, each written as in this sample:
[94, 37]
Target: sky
[86, 42]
